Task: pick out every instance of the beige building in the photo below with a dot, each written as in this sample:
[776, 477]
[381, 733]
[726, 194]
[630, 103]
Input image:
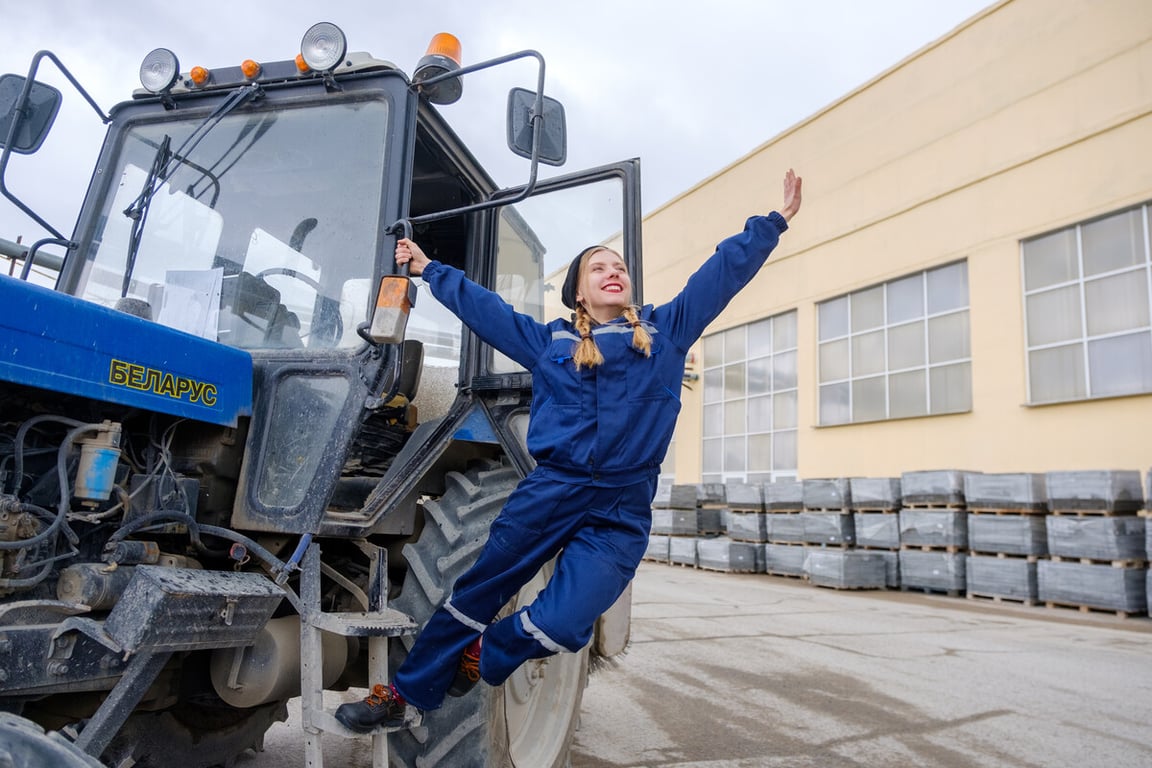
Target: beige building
[968, 284]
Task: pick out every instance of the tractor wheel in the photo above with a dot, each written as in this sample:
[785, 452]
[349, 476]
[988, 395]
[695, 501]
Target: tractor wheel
[530, 721]
[24, 744]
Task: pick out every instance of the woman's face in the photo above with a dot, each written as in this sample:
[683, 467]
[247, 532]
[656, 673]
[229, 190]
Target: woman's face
[604, 288]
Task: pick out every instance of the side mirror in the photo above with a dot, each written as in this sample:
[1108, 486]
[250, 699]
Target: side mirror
[33, 118]
[553, 134]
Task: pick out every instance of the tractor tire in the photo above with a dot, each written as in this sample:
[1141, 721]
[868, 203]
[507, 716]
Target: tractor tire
[24, 744]
[530, 721]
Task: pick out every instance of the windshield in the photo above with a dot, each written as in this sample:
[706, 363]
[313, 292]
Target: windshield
[260, 233]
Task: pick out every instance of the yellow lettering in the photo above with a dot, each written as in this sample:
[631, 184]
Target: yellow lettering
[118, 373]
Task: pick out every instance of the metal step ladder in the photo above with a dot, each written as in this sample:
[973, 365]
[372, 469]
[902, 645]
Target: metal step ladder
[377, 623]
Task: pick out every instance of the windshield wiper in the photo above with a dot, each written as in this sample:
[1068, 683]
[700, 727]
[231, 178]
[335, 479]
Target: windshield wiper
[163, 167]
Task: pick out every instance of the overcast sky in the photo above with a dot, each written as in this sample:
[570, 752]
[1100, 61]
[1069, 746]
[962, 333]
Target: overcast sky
[688, 87]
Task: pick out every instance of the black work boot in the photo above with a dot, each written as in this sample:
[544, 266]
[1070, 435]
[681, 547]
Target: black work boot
[468, 672]
[384, 707]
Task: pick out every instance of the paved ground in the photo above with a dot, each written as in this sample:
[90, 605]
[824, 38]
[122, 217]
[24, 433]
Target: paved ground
[730, 671]
[742, 671]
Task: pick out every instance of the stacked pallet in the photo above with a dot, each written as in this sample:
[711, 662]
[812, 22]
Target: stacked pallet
[1007, 535]
[1146, 513]
[1096, 543]
[876, 503]
[685, 525]
[661, 530]
[784, 528]
[830, 533]
[933, 532]
[742, 549]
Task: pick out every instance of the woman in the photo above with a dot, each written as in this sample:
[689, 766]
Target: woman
[605, 397]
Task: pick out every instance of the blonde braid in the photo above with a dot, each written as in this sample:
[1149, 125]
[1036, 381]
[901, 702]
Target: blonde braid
[641, 340]
[586, 353]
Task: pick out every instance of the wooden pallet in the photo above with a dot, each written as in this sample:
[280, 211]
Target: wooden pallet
[1119, 563]
[1093, 609]
[1006, 555]
[952, 549]
[1029, 601]
[1008, 510]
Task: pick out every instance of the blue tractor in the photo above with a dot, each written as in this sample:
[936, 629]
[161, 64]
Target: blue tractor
[242, 457]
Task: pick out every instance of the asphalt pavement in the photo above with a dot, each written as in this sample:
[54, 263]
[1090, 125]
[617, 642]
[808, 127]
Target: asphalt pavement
[744, 670]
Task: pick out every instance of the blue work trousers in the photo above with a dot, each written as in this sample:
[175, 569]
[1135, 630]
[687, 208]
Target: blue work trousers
[601, 535]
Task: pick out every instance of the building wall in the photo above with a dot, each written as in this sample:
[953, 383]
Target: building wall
[1031, 116]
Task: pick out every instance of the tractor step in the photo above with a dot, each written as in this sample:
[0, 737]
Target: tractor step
[384, 623]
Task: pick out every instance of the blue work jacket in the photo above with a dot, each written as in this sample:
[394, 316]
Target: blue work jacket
[610, 425]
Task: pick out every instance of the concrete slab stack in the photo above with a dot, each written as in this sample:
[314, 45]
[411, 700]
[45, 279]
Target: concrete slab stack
[933, 532]
[784, 528]
[827, 515]
[845, 568]
[875, 504]
[746, 519]
[723, 554]
[1007, 535]
[1096, 542]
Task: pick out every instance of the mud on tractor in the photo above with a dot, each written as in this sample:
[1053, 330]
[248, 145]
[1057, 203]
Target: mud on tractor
[242, 456]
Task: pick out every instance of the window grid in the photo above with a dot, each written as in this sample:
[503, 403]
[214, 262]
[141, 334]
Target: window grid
[885, 376]
[720, 444]
[1081, 281]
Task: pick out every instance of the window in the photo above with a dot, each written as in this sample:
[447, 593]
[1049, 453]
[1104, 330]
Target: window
[750, 411]
[1087, 292]
[896, 350]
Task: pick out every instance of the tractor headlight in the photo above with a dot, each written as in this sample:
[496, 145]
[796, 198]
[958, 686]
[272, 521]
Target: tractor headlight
[323, 47]
[159, 70]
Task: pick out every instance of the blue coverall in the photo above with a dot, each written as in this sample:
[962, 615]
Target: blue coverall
[598, 436]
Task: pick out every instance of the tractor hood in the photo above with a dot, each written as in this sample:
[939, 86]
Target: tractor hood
[61, 343]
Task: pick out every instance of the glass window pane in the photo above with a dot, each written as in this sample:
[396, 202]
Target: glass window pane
[784, 331]
[713, 350]
[906, 299]
[948, 287]
[1054, 316]
[1050, 259]
[1057, 374]
[906, 346]
[869, 399]
[867, 309]
[1121, 365]
[834, 404]
[735, 417]
[834, 360]
[784, 412]
[734, 454]
[759, 376]
[784, 370]
[907, 394]
[1117, 303]
[713, 421]
[714, 385]
[950, 388]
[735, 344]
[833, 318]
[713, 455]
[759, 453]
[868, 353]
[733, 381]
[1113, 243]
[948, 338]
[759, 414]
[784, 451]
[760, 338]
